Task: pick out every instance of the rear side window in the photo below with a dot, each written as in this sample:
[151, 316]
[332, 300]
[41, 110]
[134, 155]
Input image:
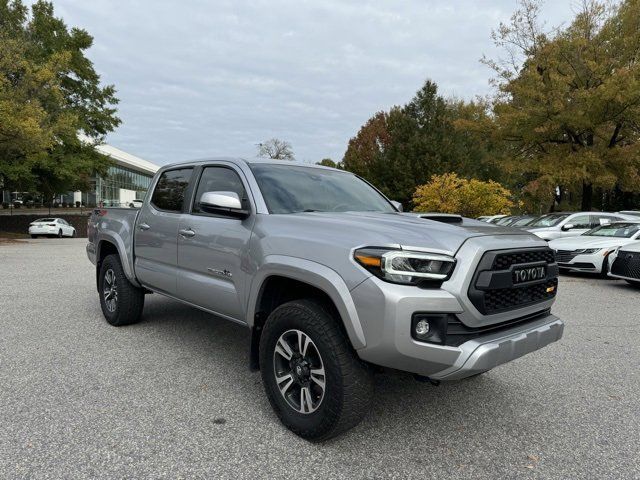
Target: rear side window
[169, 192]
[219, 179]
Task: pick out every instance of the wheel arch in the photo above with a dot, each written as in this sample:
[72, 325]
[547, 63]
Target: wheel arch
[282, 279]
[109, 246]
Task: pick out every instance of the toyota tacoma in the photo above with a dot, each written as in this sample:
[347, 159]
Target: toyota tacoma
[332, 279]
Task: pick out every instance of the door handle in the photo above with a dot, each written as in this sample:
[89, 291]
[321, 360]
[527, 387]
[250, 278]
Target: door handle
[187, 233]
[144, 226]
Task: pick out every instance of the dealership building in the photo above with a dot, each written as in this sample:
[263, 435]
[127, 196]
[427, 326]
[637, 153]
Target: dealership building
[126, 180]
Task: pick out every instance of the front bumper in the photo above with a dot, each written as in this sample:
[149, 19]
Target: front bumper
[386, 310]
[584, 263]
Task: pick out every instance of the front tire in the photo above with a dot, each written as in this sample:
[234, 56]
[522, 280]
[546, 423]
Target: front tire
[60, 233]
[120, 300]
[313, 378]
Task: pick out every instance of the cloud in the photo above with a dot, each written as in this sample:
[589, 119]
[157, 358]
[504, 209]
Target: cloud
[204, 78]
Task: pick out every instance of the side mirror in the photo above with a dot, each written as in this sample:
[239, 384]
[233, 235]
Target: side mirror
[567, 226]
[223, 203]
[398, 205]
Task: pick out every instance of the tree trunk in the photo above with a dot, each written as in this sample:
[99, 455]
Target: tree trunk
[587, 197]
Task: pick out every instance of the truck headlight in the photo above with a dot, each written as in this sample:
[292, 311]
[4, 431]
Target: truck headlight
[406, 267]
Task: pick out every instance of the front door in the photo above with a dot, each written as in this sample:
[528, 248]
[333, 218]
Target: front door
[211, 248]
[156, 235]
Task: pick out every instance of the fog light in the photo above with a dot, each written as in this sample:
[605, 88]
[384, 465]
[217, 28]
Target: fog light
[429, 327]
[422, 328]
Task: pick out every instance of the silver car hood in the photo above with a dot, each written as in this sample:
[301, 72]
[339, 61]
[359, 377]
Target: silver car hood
[352, 229]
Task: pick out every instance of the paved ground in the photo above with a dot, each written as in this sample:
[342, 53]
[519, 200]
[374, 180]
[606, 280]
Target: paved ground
[172, 397]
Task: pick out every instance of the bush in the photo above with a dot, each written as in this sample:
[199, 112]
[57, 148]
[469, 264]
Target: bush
[5, 205]
[17, 205]
[449, 193]
[56, 205]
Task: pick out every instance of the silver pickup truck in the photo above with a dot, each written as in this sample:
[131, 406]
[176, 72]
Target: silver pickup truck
[333, 280]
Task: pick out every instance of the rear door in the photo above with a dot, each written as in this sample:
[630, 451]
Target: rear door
[211, 246]
[155, 238]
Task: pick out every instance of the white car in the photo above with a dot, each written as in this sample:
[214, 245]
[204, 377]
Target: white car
[490, 218]
[588, 252]
[624, 263]
[51, 226]
[567, 224]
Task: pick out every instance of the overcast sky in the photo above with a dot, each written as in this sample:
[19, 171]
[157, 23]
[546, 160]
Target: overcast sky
[214, 78]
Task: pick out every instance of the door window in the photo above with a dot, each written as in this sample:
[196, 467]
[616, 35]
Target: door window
[220, 179]
[169, 192]
[580, 221]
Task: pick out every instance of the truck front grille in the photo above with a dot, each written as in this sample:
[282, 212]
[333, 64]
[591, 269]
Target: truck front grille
[627, 264]
[494, 287]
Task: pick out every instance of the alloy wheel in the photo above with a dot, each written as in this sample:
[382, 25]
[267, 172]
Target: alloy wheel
[299, 371]
[110, 290]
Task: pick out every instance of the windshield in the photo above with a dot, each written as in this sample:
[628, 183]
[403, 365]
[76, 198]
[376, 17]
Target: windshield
[292, 189]
[622, 230]
[550, 220]
[523, 221]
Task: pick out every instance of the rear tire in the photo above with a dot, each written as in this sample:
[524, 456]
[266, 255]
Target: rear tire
[339, 397]
[60, 233]
[121, 301]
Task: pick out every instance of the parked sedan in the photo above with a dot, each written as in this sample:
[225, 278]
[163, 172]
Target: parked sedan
[624, 263]
[589, 251]
[571, 224]
[51, 226]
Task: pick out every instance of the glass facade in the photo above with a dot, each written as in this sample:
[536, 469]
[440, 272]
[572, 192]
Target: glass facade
[107, 189]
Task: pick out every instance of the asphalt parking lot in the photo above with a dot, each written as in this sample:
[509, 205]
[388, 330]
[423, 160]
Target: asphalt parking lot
[172, 397]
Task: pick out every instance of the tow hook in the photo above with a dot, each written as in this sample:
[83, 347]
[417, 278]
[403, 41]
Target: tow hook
[423, 379]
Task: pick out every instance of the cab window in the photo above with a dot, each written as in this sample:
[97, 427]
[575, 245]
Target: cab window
[220, 179]
[169, 192]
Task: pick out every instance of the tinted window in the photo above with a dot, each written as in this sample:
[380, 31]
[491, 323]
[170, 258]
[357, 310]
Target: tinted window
[550, 220]
[580, 221]
[169, 192]
[219, 179]
[292, 189]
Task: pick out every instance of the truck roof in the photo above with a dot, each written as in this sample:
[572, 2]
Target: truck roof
[240, 160]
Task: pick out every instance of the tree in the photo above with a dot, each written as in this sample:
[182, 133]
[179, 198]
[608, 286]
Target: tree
[276, 149]
[49, 95]
[327, 162]
[568, 102]
[449, 193]
[400, 149]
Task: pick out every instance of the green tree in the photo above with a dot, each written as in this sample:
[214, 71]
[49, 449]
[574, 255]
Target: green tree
[449, 193]
[50, 97]
[327, 162]
[568, 103]
[400, 149]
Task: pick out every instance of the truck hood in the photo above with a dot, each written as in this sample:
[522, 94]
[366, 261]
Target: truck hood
[351, 229]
